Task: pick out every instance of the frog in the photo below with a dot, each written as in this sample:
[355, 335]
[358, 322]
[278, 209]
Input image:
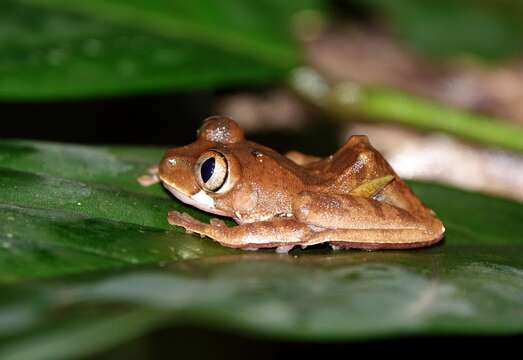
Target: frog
[351, 199]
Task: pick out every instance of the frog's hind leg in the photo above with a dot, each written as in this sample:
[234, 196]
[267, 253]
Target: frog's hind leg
[358, 222]
[374, 239]
[357, 165]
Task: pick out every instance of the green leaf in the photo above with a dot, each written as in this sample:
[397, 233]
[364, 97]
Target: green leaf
[80, 208]
[53, 49]
[85, 250]
[490, 29]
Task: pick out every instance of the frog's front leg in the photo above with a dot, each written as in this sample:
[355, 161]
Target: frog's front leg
[279, 232]
[364, 223]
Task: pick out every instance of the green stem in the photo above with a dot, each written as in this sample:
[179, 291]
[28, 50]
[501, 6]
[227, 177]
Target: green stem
[347, 100]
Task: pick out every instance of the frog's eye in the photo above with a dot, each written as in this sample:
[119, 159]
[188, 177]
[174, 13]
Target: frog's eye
[211, 171]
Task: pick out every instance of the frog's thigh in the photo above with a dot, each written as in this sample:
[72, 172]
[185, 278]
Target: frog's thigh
[357, 222]
[263, 234]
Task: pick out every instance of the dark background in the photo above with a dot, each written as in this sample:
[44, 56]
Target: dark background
[153, 119]
[146, 119]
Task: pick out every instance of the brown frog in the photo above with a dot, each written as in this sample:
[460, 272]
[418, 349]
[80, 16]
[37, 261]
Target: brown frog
[351, 199]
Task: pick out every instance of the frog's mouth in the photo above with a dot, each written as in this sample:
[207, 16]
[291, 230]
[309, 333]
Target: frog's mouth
[199, 200]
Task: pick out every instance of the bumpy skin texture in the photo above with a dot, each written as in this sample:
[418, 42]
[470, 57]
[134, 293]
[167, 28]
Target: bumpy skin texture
[284, 201]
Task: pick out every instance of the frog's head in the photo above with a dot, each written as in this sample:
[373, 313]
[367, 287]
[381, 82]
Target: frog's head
[199, 172]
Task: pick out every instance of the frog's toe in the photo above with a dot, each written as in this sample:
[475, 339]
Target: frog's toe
[173, 217]
[181, 219]
[148, 180]
[190, 224]
[284, 249]
[217, 222]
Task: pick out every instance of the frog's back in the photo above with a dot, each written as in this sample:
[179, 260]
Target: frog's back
[292, 169]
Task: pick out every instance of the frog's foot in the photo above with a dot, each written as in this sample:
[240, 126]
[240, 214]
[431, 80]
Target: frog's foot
[190, 224]
[150, 178]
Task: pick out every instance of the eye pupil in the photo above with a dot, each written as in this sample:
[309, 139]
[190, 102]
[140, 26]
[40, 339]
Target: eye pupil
[207, 169]
[211, 171]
